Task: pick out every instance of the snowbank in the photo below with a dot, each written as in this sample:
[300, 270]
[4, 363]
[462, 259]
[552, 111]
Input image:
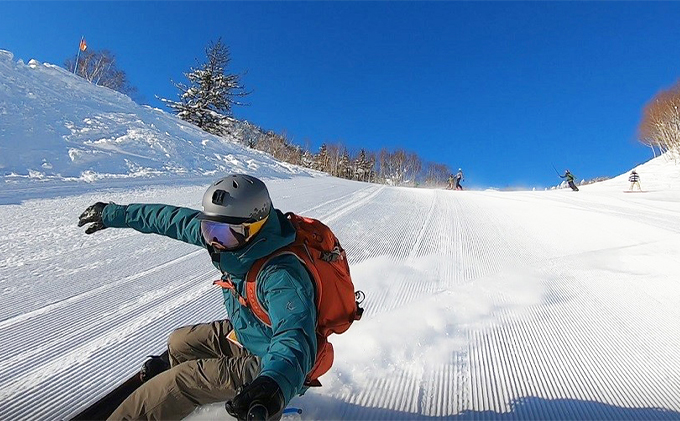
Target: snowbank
[58, 126]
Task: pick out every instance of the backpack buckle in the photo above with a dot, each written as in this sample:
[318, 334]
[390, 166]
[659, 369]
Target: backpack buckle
[331, 256]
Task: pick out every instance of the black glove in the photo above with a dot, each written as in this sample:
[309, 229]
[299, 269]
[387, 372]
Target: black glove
[261, 400]
[93, 214]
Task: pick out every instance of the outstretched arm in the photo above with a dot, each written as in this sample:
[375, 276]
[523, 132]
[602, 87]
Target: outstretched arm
[170, 221]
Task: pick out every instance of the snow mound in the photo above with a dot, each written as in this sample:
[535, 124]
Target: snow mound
[58, 126]
[660, 173]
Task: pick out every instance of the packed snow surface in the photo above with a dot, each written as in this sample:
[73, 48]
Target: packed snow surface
[479, 304]
[540, 305]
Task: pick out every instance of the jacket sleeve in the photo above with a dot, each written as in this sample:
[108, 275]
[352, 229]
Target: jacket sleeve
[171, 221]
[288, 294]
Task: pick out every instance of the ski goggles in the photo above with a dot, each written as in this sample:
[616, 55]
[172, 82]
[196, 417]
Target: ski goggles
[224, 236]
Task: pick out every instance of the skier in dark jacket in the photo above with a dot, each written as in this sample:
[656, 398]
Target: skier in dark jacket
[240, 360]
[458, 179]
[570, 180]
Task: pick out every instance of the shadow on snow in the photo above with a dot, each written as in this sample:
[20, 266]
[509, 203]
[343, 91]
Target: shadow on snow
[529, 408]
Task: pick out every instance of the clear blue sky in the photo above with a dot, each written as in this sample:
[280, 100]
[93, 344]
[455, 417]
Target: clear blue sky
[504, 90]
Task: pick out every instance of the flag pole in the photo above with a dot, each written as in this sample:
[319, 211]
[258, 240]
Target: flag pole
[75, 68]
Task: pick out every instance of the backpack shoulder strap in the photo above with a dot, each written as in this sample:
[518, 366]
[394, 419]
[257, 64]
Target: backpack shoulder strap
[251, 284]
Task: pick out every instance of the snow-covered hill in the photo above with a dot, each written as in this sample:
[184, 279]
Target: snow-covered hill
[480, 305]
[659, 174]
[55, 125]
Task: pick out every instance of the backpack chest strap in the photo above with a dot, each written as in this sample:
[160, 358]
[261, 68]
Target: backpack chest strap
[226, 283]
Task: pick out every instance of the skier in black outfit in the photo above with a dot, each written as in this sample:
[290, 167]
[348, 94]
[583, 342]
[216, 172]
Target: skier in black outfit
[459, 177]
[570, 180]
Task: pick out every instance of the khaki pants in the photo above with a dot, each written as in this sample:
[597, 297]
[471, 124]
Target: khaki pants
[205, 368]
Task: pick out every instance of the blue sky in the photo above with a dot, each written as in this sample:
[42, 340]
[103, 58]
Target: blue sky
[504, 90]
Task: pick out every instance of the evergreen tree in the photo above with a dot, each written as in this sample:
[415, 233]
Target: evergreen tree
[361, 166]
[321, 159]
[307, 159]
[344, 169]
[370, 168]
[207, 102]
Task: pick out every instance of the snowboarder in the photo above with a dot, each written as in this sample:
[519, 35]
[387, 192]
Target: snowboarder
[570, 180]
[451, 182]
[458, 179]
[239, 360]
[634, 180]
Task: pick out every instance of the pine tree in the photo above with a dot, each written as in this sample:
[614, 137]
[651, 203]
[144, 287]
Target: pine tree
[307, 159]
[344, 169]
[370, 169]
[321, 159]
[207, 102]
[360, 166]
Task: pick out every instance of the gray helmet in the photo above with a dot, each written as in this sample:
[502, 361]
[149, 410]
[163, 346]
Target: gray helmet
[235, 199]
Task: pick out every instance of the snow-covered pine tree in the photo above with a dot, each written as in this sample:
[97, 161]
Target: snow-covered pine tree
[371, 169]
[363, 166]
[344, 169]
[207, 101]
[321, 159]
[307, 159]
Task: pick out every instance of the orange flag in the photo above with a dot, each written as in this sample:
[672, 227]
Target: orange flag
[83, 46]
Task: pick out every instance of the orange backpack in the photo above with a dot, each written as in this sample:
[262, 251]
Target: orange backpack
[337, 303]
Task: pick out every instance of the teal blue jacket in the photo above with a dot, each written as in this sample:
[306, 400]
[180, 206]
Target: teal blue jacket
[288, 348]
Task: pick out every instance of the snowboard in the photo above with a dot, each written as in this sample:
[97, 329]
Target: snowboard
[104, 407]
[635, 191]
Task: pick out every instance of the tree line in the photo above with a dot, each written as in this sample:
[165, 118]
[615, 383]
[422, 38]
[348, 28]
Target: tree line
[207, 101]
[395, 167]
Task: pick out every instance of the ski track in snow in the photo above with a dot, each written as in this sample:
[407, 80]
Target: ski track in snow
[477, 305]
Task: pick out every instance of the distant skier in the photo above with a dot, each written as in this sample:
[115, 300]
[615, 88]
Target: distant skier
[451, 182]
[570, 180]
[458, 179]
[255, 361]
[634, 181]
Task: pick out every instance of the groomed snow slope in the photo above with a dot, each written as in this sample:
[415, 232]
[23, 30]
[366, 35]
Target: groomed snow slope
[480, 305]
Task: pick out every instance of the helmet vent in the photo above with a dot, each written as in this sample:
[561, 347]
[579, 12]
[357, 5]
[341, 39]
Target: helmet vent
[218, 197]
[235, 184]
